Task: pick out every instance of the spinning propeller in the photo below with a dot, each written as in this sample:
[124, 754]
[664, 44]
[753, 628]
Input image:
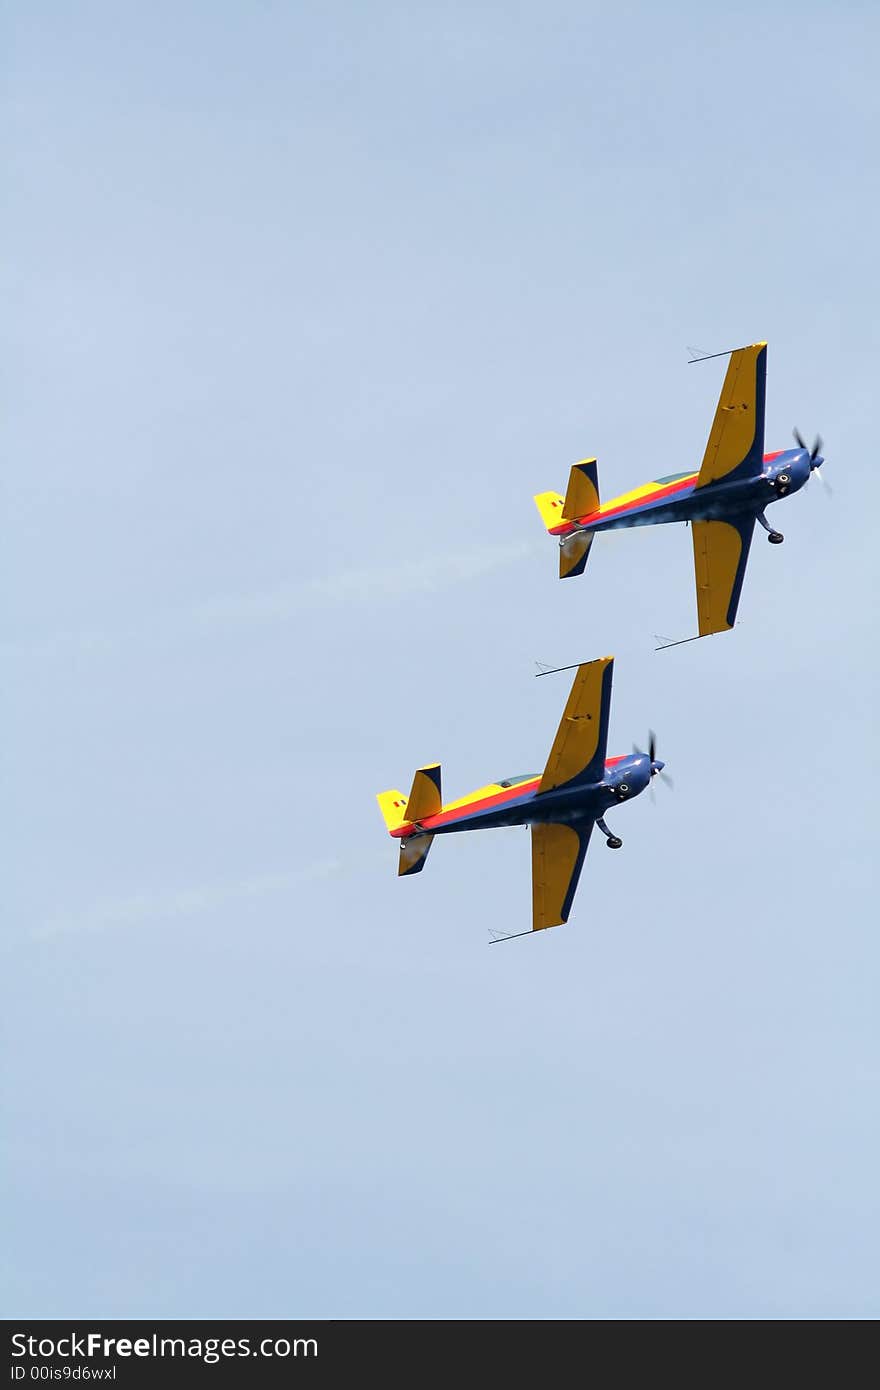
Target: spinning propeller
[816, 459]
[656, 765]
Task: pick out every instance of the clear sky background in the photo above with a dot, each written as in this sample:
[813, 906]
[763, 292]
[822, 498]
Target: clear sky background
[303, 302]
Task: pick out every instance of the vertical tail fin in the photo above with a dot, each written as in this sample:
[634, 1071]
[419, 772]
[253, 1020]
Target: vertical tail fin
[393, 807]
[424, 800]
[398, 811]
[550, 506]
[580, 500]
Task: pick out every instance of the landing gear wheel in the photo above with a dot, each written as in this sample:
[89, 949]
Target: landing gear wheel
[614, 842]
[776, 538]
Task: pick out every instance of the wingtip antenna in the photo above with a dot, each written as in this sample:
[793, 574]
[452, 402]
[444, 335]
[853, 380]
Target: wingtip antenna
[498, 937]
[664, 642]
[699, 356]
[553, 670]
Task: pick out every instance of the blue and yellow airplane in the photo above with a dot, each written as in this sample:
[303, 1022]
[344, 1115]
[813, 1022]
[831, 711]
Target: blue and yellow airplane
[735, 482]
[561, 805]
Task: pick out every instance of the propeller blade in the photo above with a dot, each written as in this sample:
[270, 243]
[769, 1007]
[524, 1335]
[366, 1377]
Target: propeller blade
[652, 755]
[817, 448]
[817, 473]
[798, 440]
[665, 777]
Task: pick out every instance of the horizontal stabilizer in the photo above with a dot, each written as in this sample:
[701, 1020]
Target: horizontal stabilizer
[582, 496]
[424, 799]
[413, 853]
[574, 551]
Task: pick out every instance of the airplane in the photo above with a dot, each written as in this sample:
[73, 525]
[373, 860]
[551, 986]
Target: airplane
[562, 804]
[722, 501]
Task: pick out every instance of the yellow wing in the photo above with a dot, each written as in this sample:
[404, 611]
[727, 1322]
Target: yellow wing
[721, 551]
[557, 858]
[578, 752]
[736, 440]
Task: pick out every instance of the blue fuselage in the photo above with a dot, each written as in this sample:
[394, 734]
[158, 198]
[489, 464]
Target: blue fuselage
[784, 474]
[567, 805]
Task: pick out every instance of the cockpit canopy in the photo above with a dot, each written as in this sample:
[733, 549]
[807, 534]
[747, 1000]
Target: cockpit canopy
[514, 781]
[672, 478]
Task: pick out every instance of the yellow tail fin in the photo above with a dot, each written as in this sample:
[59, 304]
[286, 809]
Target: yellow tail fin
[574, 552]
[413, 853]
[393, 807]
[582, 494]
[424, 799]
[550, 506]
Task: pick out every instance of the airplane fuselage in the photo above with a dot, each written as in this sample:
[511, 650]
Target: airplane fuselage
[561, 806]
[676, 498]
[625, 777]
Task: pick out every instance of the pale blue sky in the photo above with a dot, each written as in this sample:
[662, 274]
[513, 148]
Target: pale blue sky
[303, 303]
